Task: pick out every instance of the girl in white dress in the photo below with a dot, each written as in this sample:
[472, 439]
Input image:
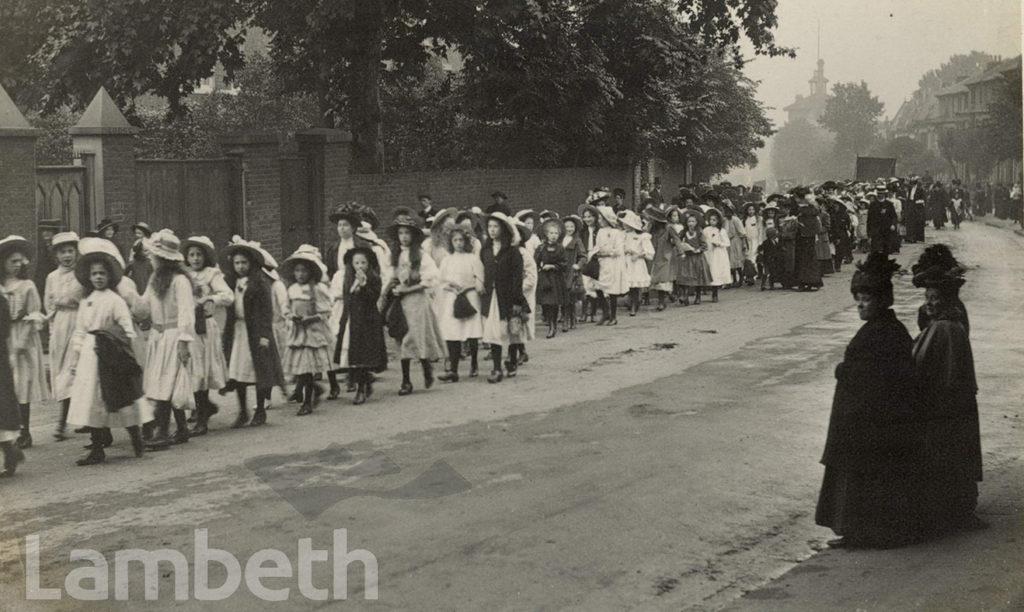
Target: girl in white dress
[25, 346]
[169, 305]
[61, 297]
[461, 273]
[414, 273]
[209, 369]
[309, 307]
[753, 231]
[639, 250]
[717, 254]
[528, 332]
[100, 269]
[611, 249]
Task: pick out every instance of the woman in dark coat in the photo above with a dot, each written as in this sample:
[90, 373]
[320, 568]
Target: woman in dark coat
[938, 202]
[808, 270]
[367, 351]
[249, 332]
[10, 417]
[839, 234]
[502, 298]
[867, 495]
[948, 403]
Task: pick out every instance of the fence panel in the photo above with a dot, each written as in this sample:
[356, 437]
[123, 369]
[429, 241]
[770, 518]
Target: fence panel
[189, 196]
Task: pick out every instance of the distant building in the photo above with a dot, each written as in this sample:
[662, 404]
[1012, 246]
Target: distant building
[810, 108]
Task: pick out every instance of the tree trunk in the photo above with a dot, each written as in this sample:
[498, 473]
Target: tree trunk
[364, 88]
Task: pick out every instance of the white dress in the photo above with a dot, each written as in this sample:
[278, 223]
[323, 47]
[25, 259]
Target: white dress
[530, 293]
[100, 310]
[718, 256]
[752, 230]
[209, 369]
[173, 320]
[282, 326]
[423, 340]
[26, 319]
[639, 251]
[591, 285]
[61, 296]
[464, 270]
[611, 246]
[240, 366]
[305, 348]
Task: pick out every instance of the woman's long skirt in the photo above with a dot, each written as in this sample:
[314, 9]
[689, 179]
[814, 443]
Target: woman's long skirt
[209, 369]
[877, 507]
[62, 327]
[423, 340]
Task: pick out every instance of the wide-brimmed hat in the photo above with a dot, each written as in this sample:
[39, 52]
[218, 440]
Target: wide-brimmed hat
[655, 214]
[250, 249]
[523, 231]
[542, 231]
[714, 212]
[510, 225]
[146, 229]
[203, 243]
[371, 256]
[63, 238]
[575, 219]
[527, 213]
[631, 220]
[165, 245]
[405, 221]
[105, 223]
[14, 243]
[305, 253]
[445, 213]
[598, 196]
[686, 213]
[609, 215]
[548, 214]
[94, 249]
[347, 212]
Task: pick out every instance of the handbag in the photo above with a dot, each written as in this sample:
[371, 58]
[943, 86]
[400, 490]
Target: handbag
[394, 318]
[592, 268]
[182, 397]
[463, 309]
[515, 325]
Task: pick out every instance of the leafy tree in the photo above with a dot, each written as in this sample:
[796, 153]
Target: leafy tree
[912, 156]
[852, 114]
[957, 67]
[1004, 131]
[799, 150]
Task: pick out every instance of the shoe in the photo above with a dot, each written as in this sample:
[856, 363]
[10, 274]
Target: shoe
[495, 377]
[82, 430]
[95, 456]
[12, 457]
[612, 322]
[474, 371]
[360, 397]
[632, 313]
[242, 420]
[369, 388]
[660, 307]
[305, 409]
[405, 389]
[551, 333]
[334, 393]
[512, 371]
[192, 418]
[260, 418]
[296, 396]
[60, 434]
[523, 358]
[201, 429]
[350, 387]
[158, 443]
[449, 377]
[24, 440]
[137, 444]
[179, 437]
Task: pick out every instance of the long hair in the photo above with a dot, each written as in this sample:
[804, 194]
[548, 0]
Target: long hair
[415, 255]
[467, 243]
[163, 275]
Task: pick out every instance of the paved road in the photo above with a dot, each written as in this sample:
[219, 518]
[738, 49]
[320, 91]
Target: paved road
[669, 463]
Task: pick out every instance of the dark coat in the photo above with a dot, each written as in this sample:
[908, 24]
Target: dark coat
[881, 225]
[872, 425]
[139, 269]
[257, 303]
[366, 347]
[120, 374]
[551, 287]
[503, 277]
[10, 417]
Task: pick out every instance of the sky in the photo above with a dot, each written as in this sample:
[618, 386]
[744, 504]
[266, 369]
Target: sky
[887, 43]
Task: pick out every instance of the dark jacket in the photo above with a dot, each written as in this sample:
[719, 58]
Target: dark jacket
[366, 346]
[503, 277]
[139, 269]
[259, 317]
[119, 372]
[873, 424]
[551, 287]
[10, 418]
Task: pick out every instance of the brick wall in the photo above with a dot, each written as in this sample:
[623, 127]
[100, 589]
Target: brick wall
[119, 185]
[17, 185]
[263, 196]
[560, 189]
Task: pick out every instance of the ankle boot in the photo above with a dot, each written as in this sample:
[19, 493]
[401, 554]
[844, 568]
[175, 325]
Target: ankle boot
[94, 457]
[12, 457]
[136, 437]
[259, 417]
[242, 419]
[360, 397]
[60, 435]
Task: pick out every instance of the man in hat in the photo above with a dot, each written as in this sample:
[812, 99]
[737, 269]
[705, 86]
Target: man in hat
[619, 204]
[426, 206]
[882, 223]
[500, 204]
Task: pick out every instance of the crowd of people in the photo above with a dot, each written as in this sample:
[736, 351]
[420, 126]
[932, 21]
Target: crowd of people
[178, 319]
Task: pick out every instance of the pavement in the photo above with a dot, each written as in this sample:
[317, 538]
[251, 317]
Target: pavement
[669, 463]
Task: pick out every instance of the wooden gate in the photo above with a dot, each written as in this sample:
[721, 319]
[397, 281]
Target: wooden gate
[192, 197]
[300, 221]
[62, 193]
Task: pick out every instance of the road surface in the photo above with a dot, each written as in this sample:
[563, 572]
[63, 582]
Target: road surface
[669, 463]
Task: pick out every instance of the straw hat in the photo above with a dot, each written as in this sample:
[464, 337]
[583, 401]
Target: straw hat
[575, 219]
[609, 215]
[146, 229]
[524, 232]
[305, 253]
[203, 243]
[631, 220]
[510, 226]
[251, 250]
[63, 238]
[439, 218]
[165, 245]
[526, 213]
[98, 249]
[14, 243]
